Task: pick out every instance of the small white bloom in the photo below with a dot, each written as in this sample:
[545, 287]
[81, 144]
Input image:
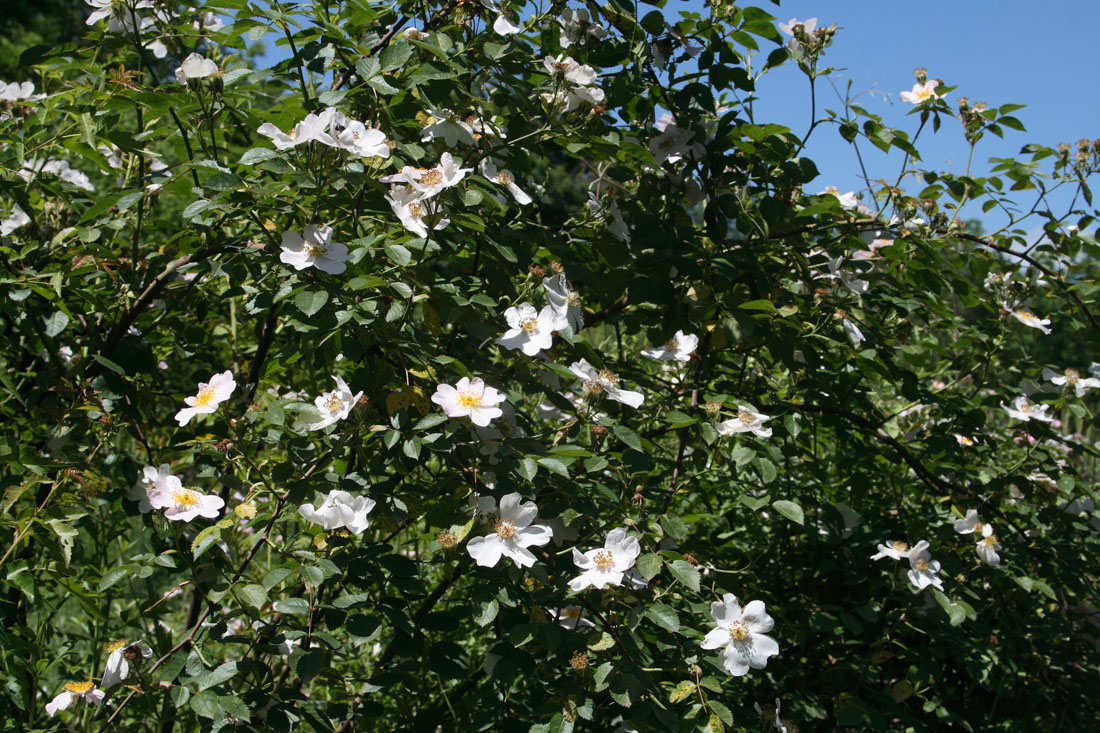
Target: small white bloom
[604, 382]
[414, 210]
[430, 181]
[449, 127]
[312, 127]
[529, 330]
[19, 92]
[113, 10]
[469, 398]
[1024, 410]
[678, 348]
[570, 618]
[964, 441]
[988, 546]
[1072, 378]
[358, 139]
[17, 219]
[150, 481]
[334, 405]
[921, 93]
[607, 565]
[340, 510]
[209, 396]
[969, 524]
[506, 179]
[747, 421]
[577, 73]
[894, 549]
[182, 504]
[195, 67]
[122, 654]
[851, 330]
[577, 27]
[513, 534]
[86, 691]
[673, 144]
[922, 568]
[1028, 318]
[314, 248]
[741, 635]
[564, 301]
[789, 28]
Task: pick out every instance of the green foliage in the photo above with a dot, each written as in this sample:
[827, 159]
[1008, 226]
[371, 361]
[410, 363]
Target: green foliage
[834, 376]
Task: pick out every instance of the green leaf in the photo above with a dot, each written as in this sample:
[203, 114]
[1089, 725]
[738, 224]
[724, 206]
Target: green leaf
[664, 616]
[555, 466]
[649, 565]
[487, 613]
[67, 535]
[113, 576]
[292, 605]
[309, 663]
[394, 56]
[686, 573]
[224, 182]
[224, 673]
[628, 436]
[250, 157]
[430, 421]
[254, 595]
[205, 704]
[400, 255]
[790, 510]
[681, 691]
[309, 302]
[528, 468]
[56, 323]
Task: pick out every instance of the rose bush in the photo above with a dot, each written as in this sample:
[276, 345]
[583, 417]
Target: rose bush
[583, 312]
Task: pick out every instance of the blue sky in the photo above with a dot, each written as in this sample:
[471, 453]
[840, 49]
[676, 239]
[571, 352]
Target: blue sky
[1009, 51]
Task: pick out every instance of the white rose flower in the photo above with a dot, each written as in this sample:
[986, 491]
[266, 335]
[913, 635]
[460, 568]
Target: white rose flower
[312, 127]
[506, 179]
[513, 534]
[894, 549]
[788, 28]
[564, 301]
[988, 546]
[529, 330]
[122, 653]
[577, 26]
[678, 348]
[469, 398]
[1071, 378]
[430, 181]
[1028, 318]
[447, 125]
[747, 421]
[86, 691]
[922, 568]
[17, 219]
[334, 405]
[570, 618]
[358, 139]
[1024, 410]
[921, 93]
[182, 504]
[969, 524]
[340, 510]
[415, 211]
[604, 382]
[314, 248]
[209, 396]
[149, 482]
[195, 67]
[607, 565]
[741, 635]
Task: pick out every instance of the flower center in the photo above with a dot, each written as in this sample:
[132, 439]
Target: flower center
[739, 631]
[990, 540]
[528, 325]
[204, 397]
[185, 498]
[416, 209]
[900, 546]
[570, 613]
[923, 94]
[431, 177]
[922, 564]
[744, 416]
[316, 249]
[672, 345]
[560, 66]
[574, 299]
[1026, 315]
[1025, 407]
[978, 526]
[114, 646]
[593, 386]
[505, 529]
[79, 687]
[504, 178]
[469, 399]
[334, 404]
[1072, 375]
[604, 559]
[608, 378]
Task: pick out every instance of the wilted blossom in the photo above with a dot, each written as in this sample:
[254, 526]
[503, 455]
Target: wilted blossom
[123, 654]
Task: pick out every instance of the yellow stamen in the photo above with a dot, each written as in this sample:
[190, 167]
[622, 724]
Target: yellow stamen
[506, 530]
[469, 399]
[114, 646]
[739, 631]
[528, 325]
[79, 687]
[604, 559]
[204, 397]
[900, 546]
[185, 498]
